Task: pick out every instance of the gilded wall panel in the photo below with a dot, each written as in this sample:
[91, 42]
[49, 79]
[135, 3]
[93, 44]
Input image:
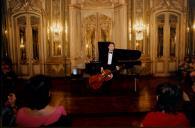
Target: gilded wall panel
[138, 12]
[55, 70]
[171, 4]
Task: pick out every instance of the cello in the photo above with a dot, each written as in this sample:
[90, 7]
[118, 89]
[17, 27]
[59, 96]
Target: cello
[96, 81]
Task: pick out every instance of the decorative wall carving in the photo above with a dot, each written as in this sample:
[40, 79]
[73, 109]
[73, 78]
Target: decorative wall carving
[138, 11]
[97, 27]
[37, 3]
[56, 9]
[16, 5]
[105, 24]
[97, 3]
[13, 4]
[89, 34]
[55, 69]
[171, 4]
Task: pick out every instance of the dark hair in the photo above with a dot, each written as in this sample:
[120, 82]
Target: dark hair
[111, 43]
[187, 59]
[7, 61]
[169, 96]
[37, 91]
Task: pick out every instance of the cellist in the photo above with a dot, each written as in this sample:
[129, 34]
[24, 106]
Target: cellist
[109, 61]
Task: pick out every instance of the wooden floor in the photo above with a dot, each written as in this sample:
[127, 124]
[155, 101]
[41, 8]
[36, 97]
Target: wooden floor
[125, 103]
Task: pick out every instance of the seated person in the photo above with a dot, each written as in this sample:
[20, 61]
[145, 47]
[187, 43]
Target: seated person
[109, 63]
[37, 111]
[109, 60]
[8, 77]
[9, 111]
[189, 108]
[184, 69]
[109, 70]
[192, 64]
[168, 96]
[192, 74]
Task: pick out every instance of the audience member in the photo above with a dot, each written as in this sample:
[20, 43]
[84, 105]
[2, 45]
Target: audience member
[184, 70]
[192, 74]
[9, 111]
[167, 114]
[37, 111]
[8, 77]
[192, 64]
[189, 109]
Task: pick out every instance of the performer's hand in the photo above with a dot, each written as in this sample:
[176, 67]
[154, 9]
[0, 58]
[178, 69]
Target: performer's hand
[185, 96]
[111, 76]
[117, 68]
[102, 69]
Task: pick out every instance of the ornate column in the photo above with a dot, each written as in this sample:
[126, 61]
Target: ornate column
[75, 35]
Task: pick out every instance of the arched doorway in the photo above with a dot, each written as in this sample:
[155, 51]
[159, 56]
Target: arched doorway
[167, 42]
[95, 28]
[27, 45]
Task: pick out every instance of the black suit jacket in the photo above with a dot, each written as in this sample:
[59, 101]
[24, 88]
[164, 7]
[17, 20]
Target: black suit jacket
[104, 61]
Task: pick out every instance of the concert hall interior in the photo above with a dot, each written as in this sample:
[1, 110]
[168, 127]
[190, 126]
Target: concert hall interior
[65, 43]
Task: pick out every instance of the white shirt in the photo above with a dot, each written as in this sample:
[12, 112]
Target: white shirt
[110, 58]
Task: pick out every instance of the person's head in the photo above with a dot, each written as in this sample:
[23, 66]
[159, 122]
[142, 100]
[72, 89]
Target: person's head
[187, 59]
[193, 60]
[11, 99]
[168, 97]
[6, 65]
[111, 46]
[37, 91]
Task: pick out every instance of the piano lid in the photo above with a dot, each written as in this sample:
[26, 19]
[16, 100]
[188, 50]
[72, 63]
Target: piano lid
[126, 54]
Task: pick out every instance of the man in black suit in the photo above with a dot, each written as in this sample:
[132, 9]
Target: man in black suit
[109, 61]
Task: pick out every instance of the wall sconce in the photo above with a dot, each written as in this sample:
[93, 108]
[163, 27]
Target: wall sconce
[139, 30]
[188, 29]
[5, 32]
[129, 32]
[59, 46]
[66, 28]
[193, 26]
[147, 29]
[22, 43]
[87, 48]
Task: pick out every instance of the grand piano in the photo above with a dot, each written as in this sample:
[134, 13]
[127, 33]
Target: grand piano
[125, 57]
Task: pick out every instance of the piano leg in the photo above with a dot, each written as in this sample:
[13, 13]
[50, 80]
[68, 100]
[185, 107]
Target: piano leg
[135, 84]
